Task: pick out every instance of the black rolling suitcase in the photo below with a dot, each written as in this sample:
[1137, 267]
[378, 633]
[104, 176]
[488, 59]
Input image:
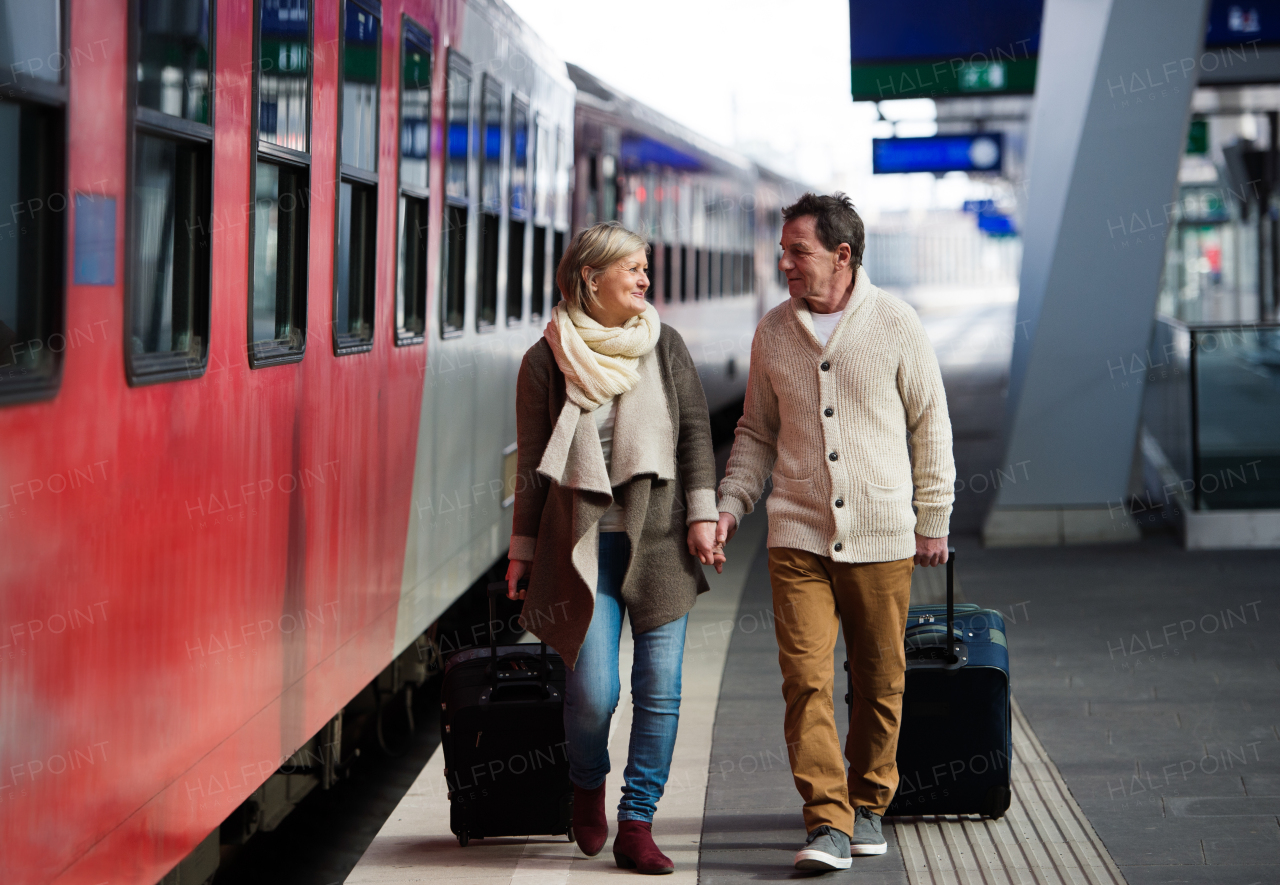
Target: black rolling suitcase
[504, 747]
[955, 748]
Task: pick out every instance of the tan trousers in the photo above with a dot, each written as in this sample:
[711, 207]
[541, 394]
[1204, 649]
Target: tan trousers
[812, 597]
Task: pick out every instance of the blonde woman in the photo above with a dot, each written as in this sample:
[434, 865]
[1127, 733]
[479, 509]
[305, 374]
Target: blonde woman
[615, 513]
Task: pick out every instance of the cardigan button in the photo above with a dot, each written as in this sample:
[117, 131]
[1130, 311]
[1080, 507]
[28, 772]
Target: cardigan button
[825, 365]
[839, 502]
[828, 411]
[833, 456]
[838, 547]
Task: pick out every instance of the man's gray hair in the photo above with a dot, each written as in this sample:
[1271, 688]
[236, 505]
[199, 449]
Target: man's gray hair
[835, 221]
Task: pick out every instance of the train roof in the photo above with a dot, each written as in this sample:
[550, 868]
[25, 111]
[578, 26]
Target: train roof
[530, 42]
[656, 136]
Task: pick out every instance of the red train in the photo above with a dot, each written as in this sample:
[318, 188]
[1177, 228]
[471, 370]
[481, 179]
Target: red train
[266, 275]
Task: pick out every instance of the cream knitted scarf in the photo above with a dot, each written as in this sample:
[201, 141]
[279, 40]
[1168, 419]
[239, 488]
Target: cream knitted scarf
[599, 362]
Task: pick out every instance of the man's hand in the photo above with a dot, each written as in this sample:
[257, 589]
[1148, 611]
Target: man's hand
[702, 544]
[726, 527]
[930, 551]
[516, 569]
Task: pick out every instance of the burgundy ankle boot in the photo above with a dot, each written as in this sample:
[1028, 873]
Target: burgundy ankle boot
[590, 826]
[634, 849]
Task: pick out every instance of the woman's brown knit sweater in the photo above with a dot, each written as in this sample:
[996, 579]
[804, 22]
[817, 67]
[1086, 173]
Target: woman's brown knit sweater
[832, 424]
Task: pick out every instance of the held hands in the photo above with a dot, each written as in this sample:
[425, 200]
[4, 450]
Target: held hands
[930, 551]
[516, 569]
[726, 528]
[704, 544]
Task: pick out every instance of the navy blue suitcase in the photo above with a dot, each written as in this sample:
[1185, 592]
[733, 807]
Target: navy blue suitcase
[506, 762]
[955, 747]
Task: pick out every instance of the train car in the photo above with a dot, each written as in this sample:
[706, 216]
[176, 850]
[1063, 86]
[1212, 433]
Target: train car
[267, 271]
[252, 327]
[707, 212]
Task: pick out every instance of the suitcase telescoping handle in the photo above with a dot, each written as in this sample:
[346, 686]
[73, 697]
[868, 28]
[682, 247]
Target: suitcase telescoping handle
[952, 657]
[498, 589]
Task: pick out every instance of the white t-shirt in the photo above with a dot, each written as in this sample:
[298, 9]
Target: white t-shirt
[824, 324]
[615, 518]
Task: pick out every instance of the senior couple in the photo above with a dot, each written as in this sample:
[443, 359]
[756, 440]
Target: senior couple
[611, 415]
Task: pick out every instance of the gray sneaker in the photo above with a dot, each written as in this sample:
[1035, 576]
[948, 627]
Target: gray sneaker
[825, 849]
[867, 838]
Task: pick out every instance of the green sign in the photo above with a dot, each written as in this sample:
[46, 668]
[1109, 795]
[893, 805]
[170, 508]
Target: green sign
[1198, 137]
[951, 77]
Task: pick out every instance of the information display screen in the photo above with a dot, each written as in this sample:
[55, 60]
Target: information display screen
[1232, 22]
[981, 152]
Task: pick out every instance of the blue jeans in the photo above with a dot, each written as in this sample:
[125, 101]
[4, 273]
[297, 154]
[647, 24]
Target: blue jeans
[592, 690]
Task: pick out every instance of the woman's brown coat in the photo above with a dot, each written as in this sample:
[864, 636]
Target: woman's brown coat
[663, 472]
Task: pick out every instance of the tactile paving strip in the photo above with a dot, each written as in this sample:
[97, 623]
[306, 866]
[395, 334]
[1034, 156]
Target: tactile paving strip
[1043, 839]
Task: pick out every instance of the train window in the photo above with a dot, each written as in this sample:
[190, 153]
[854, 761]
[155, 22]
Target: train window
[284, 73]
[415, 151]
[167, 309]
[278, 308]
[544, 173]
[683, 271]
[651, 293]
[278, 322]
[564, 163]
[360, 87]
[353, 301]
[538, 294]
[543, 182]
[453, 251]
[515, 271]
[557, 253]
[170, 303]
[519, 159]
[491, 202]
[666, 273]
[32, 182]
[175, 61]
[697, 274]
[415, 109]
[356, 240]
[519, 211]
[713, 274]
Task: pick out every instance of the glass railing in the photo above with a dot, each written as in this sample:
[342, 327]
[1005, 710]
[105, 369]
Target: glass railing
[1235, 426]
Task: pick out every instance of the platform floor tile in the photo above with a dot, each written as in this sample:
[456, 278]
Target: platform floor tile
[1044, 838]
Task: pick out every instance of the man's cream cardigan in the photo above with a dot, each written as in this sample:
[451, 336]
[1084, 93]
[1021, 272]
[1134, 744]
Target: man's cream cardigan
[856, 434]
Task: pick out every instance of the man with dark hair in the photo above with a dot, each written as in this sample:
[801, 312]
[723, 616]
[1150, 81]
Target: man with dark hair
[840, 375]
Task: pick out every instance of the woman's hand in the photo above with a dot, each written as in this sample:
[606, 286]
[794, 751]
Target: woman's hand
[516, 570]
[702, 544]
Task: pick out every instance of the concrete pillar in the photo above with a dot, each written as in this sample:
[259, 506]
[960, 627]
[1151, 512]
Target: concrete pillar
[1113, 95]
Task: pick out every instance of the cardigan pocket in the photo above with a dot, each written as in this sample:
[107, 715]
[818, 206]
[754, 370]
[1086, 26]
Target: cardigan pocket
[784, 483]
[791, 499]
[890, 493]
[888, 508]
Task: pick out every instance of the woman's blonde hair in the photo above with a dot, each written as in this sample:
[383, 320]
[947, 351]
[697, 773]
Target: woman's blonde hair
[598, 247]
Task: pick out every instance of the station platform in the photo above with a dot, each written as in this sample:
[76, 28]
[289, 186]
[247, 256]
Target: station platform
[1146, 742]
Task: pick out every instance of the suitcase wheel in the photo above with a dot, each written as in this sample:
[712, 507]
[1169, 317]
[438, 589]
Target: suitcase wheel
[463, 839]
[568, 834]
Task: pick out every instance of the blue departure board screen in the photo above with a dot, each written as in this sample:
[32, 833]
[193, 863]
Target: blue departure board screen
[981, 152]
[1232, 23]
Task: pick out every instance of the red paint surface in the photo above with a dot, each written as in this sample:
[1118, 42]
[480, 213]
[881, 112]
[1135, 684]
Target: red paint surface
[219, 572]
